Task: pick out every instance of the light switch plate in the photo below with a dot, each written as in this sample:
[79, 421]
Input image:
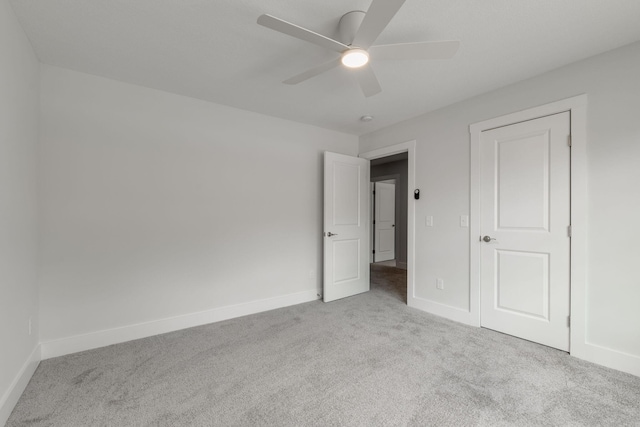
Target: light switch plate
[464, 220]
[429, 221]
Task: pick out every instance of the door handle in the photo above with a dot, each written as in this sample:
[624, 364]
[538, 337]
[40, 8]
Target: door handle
[329, 234]
[488, 239]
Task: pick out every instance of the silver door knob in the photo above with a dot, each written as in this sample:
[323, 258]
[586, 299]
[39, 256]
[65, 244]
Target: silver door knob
[487, 239]
[329, 234]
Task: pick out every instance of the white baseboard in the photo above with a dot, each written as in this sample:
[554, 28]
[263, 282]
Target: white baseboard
[11, 396]
[593, 353]
[608, 357]
[74, 344]
[448, 312]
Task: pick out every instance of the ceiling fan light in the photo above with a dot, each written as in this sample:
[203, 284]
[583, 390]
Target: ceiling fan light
[355, 58]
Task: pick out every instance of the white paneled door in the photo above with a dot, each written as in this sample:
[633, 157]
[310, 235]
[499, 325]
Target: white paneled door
[385, 221]
[525, 226]
[346, 226]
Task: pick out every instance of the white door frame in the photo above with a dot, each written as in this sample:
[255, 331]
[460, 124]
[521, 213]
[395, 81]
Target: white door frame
[408, 147]
[577, 106]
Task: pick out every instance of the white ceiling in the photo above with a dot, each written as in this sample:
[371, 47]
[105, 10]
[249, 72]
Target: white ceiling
[214, 50]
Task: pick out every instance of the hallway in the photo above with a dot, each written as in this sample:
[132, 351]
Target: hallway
[389, 279]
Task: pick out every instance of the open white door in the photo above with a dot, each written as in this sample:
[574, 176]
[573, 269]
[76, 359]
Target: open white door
[525, 210]
[346, 226]
[385, 222]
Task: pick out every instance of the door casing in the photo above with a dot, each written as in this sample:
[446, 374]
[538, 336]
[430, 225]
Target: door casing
[577, 106]
[408, 147]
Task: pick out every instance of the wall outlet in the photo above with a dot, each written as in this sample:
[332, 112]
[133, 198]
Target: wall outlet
[464, 220]
[428, 221]
[440, 284]
[29, 325]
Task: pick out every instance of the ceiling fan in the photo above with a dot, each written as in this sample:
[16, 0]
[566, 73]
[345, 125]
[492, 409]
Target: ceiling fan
[358, 31]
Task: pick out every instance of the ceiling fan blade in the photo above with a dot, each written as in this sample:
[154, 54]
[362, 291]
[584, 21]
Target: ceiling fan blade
[301, 33]
[376, 19]
[312, 72]
[368, 81]
[420, 50]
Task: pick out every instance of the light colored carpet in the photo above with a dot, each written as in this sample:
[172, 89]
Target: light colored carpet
[367, 360]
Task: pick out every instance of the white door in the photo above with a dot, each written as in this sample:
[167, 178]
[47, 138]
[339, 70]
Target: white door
[525, 218]
[385, 221]
[346, 226]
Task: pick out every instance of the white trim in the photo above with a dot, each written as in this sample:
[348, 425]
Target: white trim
[106, 337]
[578, 108]
[580, 347]
[12, 395]
[610, 358]
[408, 147]
[447, 311]
[561, 106]
[579, 223]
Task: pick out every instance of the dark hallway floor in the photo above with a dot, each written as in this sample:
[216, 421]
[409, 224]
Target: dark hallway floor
[390, 279]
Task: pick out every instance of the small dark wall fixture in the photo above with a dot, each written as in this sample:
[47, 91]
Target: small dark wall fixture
[416, 194]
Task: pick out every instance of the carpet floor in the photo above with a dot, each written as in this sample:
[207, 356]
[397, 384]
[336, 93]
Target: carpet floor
[367, 360]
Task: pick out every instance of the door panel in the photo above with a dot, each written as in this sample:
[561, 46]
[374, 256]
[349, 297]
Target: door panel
[525, 201]
[345, 250]
[345, 194]
[522, 283]
[346, 226]
[523, 182]
[385, 217]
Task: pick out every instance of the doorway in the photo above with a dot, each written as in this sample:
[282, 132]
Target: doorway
[389, 178]
[346, 217]
[576, 109]
[393, 273]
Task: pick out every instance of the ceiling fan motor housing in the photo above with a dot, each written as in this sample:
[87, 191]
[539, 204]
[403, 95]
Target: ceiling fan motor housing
[348, 26]
[357, 31]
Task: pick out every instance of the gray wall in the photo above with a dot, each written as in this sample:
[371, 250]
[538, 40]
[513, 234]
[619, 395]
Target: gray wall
[19, 79]
[140, 217]
[613, 154]
[384, 171]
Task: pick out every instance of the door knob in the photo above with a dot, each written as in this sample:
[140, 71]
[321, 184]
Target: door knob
[487, 239]
[329, 234]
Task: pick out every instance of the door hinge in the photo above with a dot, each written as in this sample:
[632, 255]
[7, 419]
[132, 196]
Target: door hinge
[374, 222]
[568, 320]
[569, 141]
[569, 231]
